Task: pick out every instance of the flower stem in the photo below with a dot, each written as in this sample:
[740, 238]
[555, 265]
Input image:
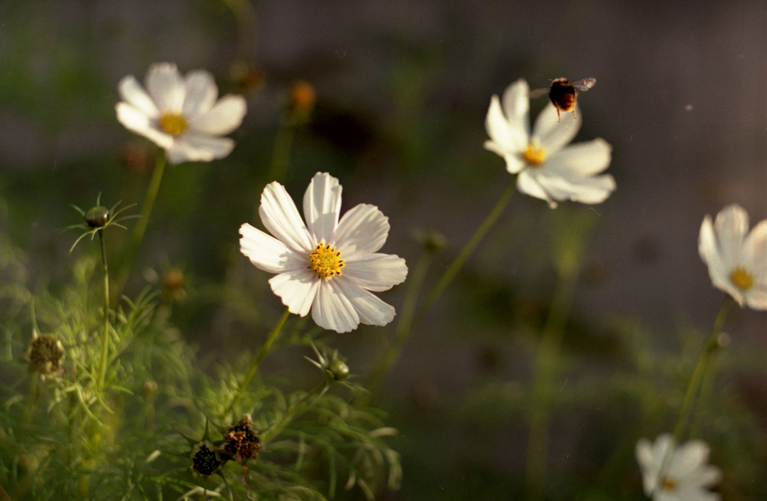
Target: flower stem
[258, 358]
[140, 229]
[709, 350]
[282, 146]
[105, 325]
[545, 371]
[458, 262]
[405, 324]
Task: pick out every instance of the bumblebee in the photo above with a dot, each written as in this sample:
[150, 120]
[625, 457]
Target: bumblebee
[563, 94]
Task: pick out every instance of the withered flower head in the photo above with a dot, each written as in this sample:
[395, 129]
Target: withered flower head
[241, 442]
[46, 354]
[205, 459]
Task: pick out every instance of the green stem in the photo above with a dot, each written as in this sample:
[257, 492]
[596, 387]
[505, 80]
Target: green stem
[258, 358]
[543, 379]
[405, 324]
[282, 146]
[710, 348]
[105, 325]
[146, 211]
[456, 265]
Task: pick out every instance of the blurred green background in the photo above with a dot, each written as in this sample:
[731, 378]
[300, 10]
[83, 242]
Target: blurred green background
[402, 92]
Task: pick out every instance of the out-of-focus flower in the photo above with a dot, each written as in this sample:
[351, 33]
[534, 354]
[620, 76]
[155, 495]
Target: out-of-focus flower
[547, 168]
[328, 266]
[183, 115]
[736, 259]
[676, 474]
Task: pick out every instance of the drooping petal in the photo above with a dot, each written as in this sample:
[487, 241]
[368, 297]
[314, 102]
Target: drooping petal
[201, 93]
[567, 185]
[528, 184]
[199, 147]
[553, 134]
[730, 227]
[370, 309]
[280, 216]
[322, 206]
[516, 107]
[134, 94]
[332, 310]
[376, 272]
[298, 289]
[585, 159]
[166, 87]
[136, 121]
[267, 253]
[225, 116]
[362, 230]
[756, 297]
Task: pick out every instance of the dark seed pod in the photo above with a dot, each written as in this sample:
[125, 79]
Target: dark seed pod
[205, 460]
[97, 217]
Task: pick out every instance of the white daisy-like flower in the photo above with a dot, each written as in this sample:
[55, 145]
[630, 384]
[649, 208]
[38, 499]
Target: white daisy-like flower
[686, 474]
[547, 168]
[328, 266]
[183, 115]
[736, 259]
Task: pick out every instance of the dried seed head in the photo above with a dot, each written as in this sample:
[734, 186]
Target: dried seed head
[241, 442]
[205, 460]
[46, 354]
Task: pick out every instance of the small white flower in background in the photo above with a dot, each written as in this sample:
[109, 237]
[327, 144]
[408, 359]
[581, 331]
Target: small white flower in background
[328, 266]
[736, 259]
[183, 115]
[686, 474]
[547, 168]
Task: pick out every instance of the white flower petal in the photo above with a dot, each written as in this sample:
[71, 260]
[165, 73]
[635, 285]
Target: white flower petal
[362, 230]
[756, 297]
[528, 184]
[688, 458]
[134, 94]
[376, 272]
[298, 289]
[553, 134]
[516, 107]
[644, 456]
[585, 159]
[280, 216]
[730, 227]
[267, 253]
[201, 93]
[136, 121]
[370, 309]
[506, 136]
[166, 87]
[755, 250]
[332, 310]
[198, 147]
[225, 116]
[567, 185]
[322, 206]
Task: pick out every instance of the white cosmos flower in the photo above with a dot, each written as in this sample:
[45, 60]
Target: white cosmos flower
[328, 266]
[181, 114]
[736, 259]
[686, 474]
[547, 168]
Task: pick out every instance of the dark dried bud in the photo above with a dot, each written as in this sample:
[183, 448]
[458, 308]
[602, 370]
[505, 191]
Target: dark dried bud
[205, 460]
[46, 354]
[241, 442]
[97, 217]
[337, 369]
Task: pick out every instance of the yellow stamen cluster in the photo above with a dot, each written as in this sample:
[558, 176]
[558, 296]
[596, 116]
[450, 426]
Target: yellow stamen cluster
[534, 155]
[741, 278]
[173, 124]
[326, 260]
[669, 484]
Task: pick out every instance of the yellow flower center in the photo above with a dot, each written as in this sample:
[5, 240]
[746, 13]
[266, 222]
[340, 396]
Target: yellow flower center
[534, 155]
[173, 124]
[741, 278]
[669, 484]
[326, 261]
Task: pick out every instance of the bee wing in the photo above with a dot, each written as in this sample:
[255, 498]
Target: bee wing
[536, 93]
[585, 84]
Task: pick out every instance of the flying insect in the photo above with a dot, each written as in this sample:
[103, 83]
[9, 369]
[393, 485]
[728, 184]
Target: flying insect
[563, 94]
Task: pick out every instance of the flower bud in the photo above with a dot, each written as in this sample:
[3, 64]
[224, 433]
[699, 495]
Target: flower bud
[338, 369]
[97, 217]
[302, 96]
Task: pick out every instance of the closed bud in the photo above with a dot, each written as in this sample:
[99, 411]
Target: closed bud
[97, 217]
